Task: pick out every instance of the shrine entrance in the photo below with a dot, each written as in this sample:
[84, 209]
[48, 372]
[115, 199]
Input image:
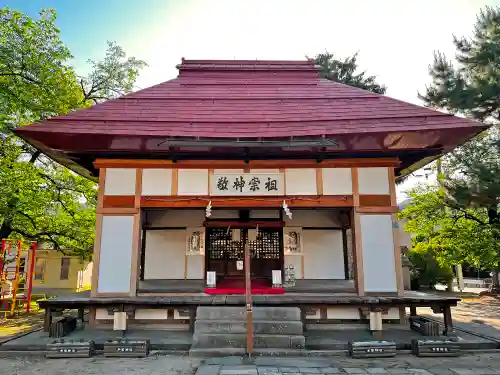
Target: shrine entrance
[224, 253]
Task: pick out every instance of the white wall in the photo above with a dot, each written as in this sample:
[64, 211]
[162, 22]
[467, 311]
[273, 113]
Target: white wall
[120, 181]
[373, 180]
[342, 313]
[354, 313]
[193, 182]
[264, 214]
[337, 181]
[156, 181]
[225, 214]
[312, 218]
[165, 253]
[166, 249]
[176, 218]
[323, 254]
[301, 181]
[378, 253]
[195, 267]
[115, 257]
[152, 314]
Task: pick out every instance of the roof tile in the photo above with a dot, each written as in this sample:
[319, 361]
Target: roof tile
[248, 99]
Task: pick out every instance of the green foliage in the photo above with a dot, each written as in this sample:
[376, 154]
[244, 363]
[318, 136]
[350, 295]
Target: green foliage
[469, 222]
[451, 234]
[428, 267]
[470, 87]
[113, 77]
[35, 80]
[345, 71]
[39, 199]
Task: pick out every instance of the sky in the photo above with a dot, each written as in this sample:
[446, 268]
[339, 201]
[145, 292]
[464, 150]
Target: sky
[395, 39]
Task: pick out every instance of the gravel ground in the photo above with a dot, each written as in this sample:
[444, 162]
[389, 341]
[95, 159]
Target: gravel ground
[153, 365]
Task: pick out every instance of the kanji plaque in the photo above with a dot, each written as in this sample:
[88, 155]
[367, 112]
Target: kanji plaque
[245, 184]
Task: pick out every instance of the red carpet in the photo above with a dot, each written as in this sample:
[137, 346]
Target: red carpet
[238, 287]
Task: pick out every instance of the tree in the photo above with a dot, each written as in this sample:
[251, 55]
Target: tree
[39, 199]
[471, 87]
[345, 71]
[450, 234]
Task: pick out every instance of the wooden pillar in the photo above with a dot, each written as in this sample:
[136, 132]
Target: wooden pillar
[98, 233]
[47, 321]
[395, 234]
[248, 298]
[448, 321]
[356, 236]
[136, 236]
[413, 311]
[92, 317]
[81, 314]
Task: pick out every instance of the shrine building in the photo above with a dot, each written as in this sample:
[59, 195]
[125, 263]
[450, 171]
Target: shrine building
[264, 155]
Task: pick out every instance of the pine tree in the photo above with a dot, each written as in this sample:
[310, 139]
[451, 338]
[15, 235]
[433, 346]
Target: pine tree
[345, 71]
[471, 87]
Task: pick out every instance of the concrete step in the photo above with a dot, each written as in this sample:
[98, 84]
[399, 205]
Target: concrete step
[266, 352]
[216, 352]
[239, 313]
[259, 327]
[236, 340]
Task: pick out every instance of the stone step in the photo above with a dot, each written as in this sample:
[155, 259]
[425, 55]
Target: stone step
[236, 340]
[216, 352]
[239, 313]
[259, 327]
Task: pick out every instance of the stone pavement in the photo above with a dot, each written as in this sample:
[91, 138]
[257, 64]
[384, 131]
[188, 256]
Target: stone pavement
[476, 364]
[267, 370]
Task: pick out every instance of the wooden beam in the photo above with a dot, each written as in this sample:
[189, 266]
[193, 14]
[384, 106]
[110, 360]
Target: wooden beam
[282, 170]
[236, 224]
[251, 164]
[175, 182]
[119, 201]
[376, 210]
[375, 200]
[138, 188]
[243, 202]
[117, 211]
[210, 176]
[355, 187]
[319, 180]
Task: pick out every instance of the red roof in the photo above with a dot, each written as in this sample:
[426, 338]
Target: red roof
[250, 99]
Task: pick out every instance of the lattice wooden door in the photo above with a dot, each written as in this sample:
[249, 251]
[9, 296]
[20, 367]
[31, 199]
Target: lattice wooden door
[223, 253]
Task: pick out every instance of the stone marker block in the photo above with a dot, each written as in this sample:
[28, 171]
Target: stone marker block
[372, 349]
[126, 348]
[69, 349]
[435, 348]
